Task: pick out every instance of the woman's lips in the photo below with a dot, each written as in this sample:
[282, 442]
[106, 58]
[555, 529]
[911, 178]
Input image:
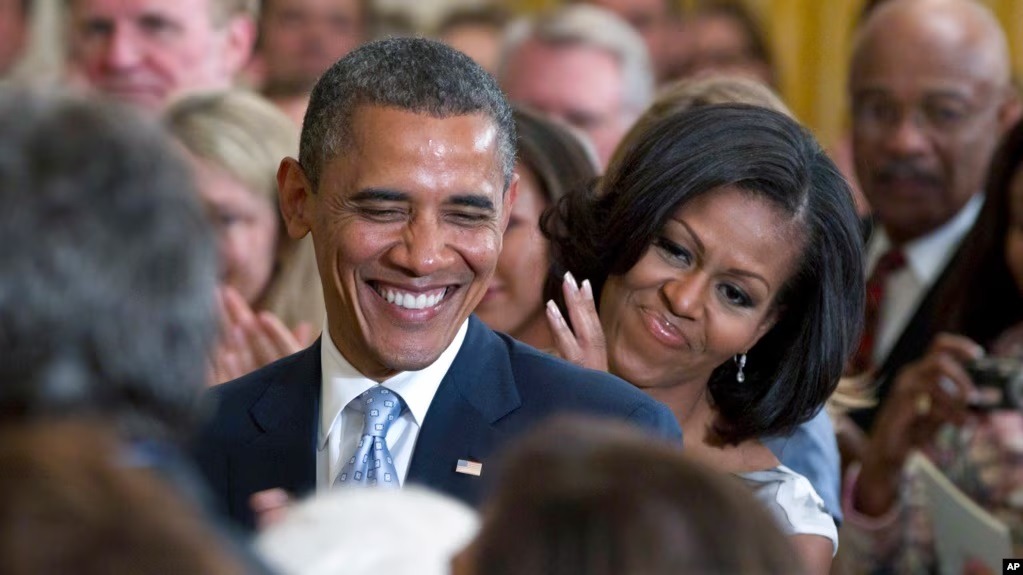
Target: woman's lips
[663, 330]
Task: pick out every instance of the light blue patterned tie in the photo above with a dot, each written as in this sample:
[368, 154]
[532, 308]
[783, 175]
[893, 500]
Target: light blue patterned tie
[372, 463]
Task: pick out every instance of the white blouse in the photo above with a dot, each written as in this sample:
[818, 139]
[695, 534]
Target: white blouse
[792, 502]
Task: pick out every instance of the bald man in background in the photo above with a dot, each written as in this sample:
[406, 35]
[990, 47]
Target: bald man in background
[931, 97]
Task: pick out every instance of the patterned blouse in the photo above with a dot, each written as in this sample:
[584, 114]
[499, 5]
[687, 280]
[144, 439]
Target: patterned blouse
[983, 458]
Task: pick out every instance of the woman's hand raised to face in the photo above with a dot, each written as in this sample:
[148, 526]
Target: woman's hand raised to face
[250, 340]
[586, 346]
[926, 395]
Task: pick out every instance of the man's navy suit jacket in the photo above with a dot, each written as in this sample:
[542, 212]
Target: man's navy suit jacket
[263, 432]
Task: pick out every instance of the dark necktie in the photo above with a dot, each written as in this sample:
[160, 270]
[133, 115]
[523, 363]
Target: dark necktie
[892, 261]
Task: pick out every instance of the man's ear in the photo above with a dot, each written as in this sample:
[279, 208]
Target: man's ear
[509, 200]
[295, 193]
[239, 43]
[1011, 109]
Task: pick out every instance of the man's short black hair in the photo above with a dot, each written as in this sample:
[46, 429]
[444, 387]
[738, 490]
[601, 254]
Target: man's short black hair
[413, 74]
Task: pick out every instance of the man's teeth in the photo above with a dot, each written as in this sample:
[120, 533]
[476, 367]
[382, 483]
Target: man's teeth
[411, 301]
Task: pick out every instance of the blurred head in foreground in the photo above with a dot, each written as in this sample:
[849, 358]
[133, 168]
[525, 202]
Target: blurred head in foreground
[75, 504]
[106, 307]
[416, 531]
[585, 497]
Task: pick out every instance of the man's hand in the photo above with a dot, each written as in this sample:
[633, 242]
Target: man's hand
[587, 346]
[269, 506]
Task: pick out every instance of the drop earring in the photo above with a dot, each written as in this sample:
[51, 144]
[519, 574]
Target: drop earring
[740, 361]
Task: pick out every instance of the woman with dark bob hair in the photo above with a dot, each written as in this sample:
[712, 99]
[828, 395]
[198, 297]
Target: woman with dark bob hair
[725, 257]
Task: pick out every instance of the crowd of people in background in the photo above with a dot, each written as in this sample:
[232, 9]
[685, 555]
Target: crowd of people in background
[575, 280]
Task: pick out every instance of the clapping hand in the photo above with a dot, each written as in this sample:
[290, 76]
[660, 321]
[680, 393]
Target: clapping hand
[250, 340]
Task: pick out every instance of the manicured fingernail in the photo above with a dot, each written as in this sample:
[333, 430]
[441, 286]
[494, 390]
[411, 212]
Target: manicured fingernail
[570, 279]
[552, 308]
[587, 290]
[948, 386]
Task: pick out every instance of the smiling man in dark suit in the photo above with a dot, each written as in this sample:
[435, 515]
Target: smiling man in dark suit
[405, 181]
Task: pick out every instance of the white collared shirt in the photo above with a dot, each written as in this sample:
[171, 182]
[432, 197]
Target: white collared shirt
[341, 419]
[926, 257]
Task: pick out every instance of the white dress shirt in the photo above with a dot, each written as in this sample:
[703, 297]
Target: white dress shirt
[926, 257]
[341, 418]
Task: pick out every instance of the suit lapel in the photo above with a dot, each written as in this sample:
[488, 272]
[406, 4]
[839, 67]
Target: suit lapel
[283, 451]
[478, 391]
[919, 332]
[912, 342]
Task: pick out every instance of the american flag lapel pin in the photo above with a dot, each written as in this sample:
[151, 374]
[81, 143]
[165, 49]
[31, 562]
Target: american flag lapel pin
[469, 467]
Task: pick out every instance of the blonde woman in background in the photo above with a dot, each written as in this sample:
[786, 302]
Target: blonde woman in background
[271, 296]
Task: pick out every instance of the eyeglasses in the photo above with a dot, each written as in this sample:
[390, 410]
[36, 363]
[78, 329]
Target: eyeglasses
[941, 115]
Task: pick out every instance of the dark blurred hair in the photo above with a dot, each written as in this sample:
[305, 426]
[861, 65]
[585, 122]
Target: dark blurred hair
[557, 157]
[595, 497]
[796, 365]
[412, 74]
[70, 504]
[983, 299]
[109, 271]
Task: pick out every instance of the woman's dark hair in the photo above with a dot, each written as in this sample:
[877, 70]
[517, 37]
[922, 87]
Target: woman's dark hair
[71, 501]
[983, 299]
[605, 500]
[796, 365]
[558, 158]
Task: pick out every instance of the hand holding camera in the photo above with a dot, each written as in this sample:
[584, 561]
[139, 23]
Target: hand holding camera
[925, 395]
[998, 382]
